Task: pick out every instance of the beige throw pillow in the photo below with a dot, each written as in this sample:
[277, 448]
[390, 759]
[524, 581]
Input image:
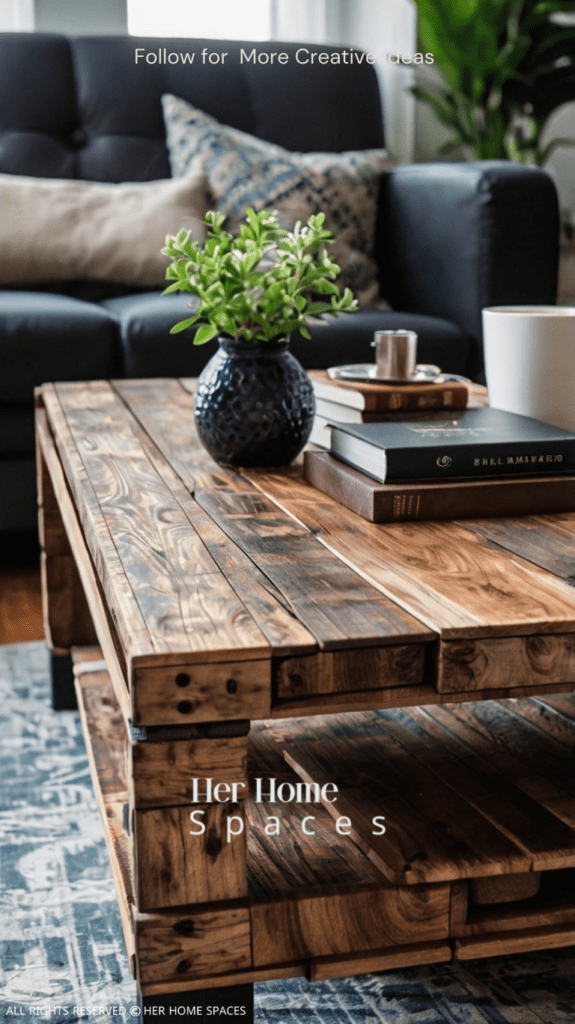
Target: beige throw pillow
[55, 230]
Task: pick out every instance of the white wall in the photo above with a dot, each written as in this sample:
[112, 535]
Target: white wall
[16, 15]
[310, 21]
[82, 17]
[561, 163]
[384, 27]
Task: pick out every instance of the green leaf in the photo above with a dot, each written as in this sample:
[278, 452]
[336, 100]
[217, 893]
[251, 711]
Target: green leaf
[317, 308]
[183, 325]
[205, 333]
[177, 286]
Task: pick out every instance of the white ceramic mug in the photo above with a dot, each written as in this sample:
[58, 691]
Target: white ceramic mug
[530, 361]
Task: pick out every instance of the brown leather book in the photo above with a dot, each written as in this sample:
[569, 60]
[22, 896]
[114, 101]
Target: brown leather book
[373, 397]
[431, 499]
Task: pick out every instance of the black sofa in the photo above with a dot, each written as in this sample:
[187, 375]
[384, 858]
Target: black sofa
[452, 238]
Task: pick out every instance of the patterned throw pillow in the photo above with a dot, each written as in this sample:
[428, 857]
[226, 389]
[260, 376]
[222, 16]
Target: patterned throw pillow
[245, 171]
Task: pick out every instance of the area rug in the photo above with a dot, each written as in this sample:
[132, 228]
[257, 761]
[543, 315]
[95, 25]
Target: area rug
[62, 954]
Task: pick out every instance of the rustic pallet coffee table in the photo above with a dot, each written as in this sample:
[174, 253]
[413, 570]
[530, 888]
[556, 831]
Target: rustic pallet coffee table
[219, 599]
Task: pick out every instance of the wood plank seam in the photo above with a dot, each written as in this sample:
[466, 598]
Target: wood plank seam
[86, 569]
[79, 484]
[129, 604]
[159, 455]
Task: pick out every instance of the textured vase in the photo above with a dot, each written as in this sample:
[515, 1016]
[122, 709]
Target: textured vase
[254, 404]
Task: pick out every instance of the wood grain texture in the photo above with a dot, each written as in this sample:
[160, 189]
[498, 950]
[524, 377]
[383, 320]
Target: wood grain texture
[403, 697]
[112, 806]
[164, 411]
[448, 576]
[173, 947]
[300, 885]
[350, 671]
[547, 721]
[562, 707]
[162, 586]
[546, 541]
[547, 842]
[95, 597]
[21, 618]
[505, 888]
[215, 691]
[432, 833]
[175, 868]
[163, 772]
[323, 968]
[361, 700]
[105, 727]
[554, 904]
[51, 529]
[67, 619]
[552, 937]
[296, 970]
[313, 584]
[459, 905]
[348, 923]
[505, 662]
[66, 616]
[515, 754]
[336, 605]
[283, 860]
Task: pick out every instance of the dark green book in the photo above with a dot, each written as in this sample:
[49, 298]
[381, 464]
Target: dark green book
[478, 442]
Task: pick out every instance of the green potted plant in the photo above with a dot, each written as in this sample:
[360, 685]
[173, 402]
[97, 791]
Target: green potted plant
[506, 66]
[254, 403]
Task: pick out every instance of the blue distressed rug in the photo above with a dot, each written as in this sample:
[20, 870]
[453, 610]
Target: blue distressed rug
[62, 955]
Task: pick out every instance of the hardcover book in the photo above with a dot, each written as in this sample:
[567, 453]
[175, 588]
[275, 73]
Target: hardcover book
[328, 413]
[373, 397]
[477, 442]
[438, 499]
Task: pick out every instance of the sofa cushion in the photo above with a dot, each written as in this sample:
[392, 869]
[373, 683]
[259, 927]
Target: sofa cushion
[84, 108]
[60, 230]
[50, 337]
[150, 350]
[16, 430]
[245, 171]
[18, 502]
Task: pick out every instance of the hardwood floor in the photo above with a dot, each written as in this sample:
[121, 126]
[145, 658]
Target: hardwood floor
[20, 596]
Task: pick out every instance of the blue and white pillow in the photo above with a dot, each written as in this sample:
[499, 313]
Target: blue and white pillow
[243, 171]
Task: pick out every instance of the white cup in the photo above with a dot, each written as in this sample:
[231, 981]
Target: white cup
[530, 361]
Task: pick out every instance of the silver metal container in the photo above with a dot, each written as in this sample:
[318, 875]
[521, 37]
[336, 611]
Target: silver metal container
[395, 355]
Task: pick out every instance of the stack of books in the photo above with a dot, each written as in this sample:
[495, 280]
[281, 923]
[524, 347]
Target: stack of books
[473, 463]
[364, 402]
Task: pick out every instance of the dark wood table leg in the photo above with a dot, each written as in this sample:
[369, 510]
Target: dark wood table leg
[237, 1001]
[62, 677]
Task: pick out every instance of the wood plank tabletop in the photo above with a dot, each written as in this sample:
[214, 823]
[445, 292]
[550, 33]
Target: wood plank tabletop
[451, 575]
[199, 563]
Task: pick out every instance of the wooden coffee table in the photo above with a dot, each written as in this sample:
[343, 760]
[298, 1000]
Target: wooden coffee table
[199, 600]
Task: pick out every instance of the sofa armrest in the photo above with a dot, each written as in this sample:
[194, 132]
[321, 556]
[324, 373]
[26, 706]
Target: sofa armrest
[453, 238]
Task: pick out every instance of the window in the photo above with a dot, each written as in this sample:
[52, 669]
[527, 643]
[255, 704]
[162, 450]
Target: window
[214, 19]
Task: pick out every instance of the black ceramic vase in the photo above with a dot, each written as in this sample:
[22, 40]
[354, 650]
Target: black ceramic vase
[254, 404]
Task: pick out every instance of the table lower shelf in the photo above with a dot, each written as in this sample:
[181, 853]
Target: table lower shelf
[331, 904]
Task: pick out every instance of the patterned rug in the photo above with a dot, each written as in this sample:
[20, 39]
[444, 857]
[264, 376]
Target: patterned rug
[61, 949]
